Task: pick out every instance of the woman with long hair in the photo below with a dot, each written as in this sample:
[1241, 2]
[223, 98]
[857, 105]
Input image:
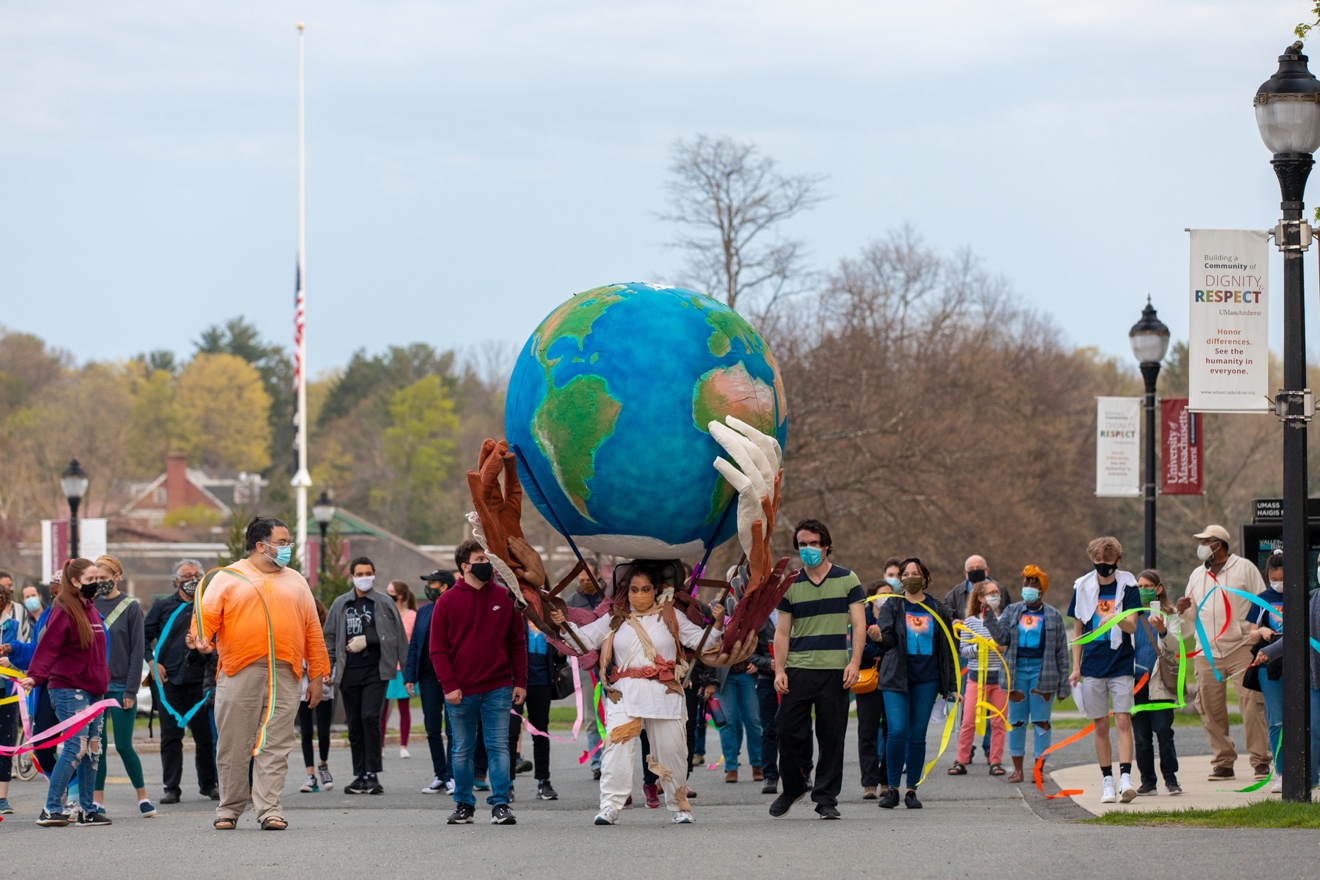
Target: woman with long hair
[1156, 645]
[916, 666]
[318, 776]
[70, 660]
[123, 620]
[406, 602]
[985, 597]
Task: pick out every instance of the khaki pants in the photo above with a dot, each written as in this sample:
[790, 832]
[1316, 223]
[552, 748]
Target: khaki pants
[240, 706]
[1211, 701]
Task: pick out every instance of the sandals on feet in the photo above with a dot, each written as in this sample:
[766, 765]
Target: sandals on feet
[1015, 776]
[957, 769]
[225, 824]
[273, 823]
[997, 770]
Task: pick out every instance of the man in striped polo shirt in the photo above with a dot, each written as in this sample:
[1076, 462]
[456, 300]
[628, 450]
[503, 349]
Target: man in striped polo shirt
[814, 669]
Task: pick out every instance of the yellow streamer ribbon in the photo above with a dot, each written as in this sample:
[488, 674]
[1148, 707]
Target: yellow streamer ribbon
[984, 646]
[951, 717]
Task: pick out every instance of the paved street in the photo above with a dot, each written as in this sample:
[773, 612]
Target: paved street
[972, 824]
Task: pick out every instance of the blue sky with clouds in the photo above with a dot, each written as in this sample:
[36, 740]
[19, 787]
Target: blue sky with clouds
[471, 164]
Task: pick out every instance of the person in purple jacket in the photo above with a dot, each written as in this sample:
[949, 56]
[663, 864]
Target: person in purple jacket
[71, 661]
[479, 649]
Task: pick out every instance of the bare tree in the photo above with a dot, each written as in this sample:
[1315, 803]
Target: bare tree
[731, 202]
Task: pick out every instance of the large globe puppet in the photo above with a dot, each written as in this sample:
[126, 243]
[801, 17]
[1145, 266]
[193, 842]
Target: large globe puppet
[607, 412]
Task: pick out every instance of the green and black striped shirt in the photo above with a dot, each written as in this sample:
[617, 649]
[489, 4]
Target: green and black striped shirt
[819, 637]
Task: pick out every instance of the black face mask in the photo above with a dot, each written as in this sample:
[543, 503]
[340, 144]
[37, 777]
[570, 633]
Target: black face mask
[1105, 569]
[431, 593]
[189, 586]
[88, 591]
[105, 588]
[482, 571]
[976, 575]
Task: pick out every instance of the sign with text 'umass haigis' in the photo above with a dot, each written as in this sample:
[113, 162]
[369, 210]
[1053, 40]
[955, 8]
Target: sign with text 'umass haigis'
[1229, 337]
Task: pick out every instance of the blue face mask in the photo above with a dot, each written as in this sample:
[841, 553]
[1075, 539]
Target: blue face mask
[282, 555]
[1030, 595]
[32, 603]
[895, 583]
[811, 556]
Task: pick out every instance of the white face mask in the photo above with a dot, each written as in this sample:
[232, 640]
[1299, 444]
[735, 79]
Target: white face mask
[992, 600]
[1277, 586]
[364, 584]
[1204, 552]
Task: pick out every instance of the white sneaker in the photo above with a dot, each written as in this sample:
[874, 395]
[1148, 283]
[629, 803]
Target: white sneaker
[404, 753]
[1277, 787]
[607, 816]
[682, 817]
[1126, 792]
[435, 787]
[1108, 796]
[449, 786]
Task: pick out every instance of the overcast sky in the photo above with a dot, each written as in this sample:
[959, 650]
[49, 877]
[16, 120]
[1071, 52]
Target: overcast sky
[471, 164]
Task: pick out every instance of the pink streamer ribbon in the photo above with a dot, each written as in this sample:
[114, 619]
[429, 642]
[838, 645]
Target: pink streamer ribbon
[66, 729]
[577, 697]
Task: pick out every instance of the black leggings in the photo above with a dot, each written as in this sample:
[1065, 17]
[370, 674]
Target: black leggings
[323, 711]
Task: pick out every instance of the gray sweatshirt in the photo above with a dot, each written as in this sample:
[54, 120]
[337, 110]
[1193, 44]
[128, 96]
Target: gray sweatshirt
[125, 643]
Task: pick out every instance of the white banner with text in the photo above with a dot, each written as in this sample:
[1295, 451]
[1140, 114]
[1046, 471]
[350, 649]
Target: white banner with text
[1118, 447]
[1229, 333]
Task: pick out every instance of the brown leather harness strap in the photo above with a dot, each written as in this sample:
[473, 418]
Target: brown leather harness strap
[570, 577]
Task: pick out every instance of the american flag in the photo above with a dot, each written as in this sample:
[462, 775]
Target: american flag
[299, 317]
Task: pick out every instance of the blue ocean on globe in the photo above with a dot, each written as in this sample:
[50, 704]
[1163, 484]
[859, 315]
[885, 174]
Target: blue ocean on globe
[607, 411]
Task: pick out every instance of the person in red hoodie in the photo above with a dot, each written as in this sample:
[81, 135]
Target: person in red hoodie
[70, 661]
[479, 650]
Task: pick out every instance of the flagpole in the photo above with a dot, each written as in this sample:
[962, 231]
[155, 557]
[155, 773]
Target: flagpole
[302, 480]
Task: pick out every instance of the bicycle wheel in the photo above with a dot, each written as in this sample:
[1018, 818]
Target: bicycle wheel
[24, 767]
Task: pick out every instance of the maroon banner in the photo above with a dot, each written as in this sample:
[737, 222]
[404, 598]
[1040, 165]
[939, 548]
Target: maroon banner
[313, 566]
[1181, 436]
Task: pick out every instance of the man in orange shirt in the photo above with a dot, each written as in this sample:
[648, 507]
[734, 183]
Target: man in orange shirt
[254, 610]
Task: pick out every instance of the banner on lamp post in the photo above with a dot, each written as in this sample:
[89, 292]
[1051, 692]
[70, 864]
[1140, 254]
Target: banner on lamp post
[91, 538]
[1181, 439]
[1118, 447]
[54, 547]
[1229, 333]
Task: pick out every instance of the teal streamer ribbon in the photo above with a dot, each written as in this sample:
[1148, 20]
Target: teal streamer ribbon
[182, 720]
[1257, 600]
[1205, 639]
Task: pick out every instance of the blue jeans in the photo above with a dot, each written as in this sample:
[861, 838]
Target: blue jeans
[742, 710]
[1272, 691]
[492, 710]
[1315, 738]
[1033, 709]
[907, 715]
[79, 755]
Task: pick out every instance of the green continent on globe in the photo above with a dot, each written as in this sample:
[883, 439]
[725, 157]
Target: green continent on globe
[573, 320]
[731, 391]
[727, 325]
[569, 426]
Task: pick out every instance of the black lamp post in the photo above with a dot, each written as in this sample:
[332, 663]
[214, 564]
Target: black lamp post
[1150, 342]
[323, 511]
[1288, 116]
[74, 482]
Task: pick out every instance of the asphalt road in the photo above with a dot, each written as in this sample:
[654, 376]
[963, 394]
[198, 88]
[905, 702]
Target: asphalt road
[971, 826]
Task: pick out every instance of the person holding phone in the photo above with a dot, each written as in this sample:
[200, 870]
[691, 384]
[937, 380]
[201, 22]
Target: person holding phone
[1156, 662]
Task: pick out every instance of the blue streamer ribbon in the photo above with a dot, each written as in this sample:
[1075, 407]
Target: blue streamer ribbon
[1257, 600]
[182, 720]
[1205, 639]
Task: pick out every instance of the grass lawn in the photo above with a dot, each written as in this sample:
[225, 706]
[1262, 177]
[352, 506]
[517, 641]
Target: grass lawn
[1262, 814]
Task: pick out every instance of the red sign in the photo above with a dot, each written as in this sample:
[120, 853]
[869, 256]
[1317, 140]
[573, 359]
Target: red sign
[1181, 436]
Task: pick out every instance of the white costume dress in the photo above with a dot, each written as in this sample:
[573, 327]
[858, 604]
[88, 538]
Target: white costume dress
[663, 713]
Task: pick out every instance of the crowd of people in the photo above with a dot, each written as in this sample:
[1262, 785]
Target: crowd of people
[246, 657]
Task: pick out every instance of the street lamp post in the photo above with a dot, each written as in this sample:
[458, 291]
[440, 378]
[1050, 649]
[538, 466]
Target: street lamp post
[1150, 342]
[324, 512]
[1288, 116]
[74, 482]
